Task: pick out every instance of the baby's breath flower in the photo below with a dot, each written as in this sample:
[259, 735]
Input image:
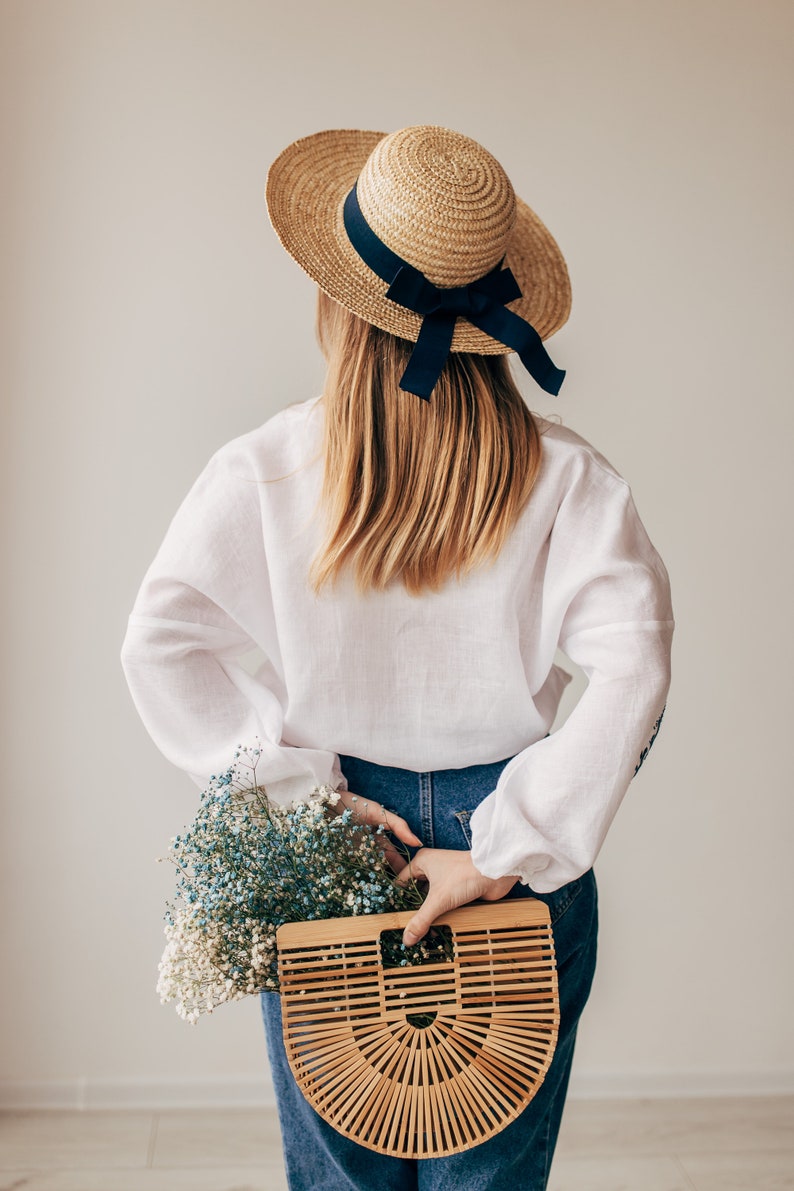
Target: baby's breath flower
[245, 866]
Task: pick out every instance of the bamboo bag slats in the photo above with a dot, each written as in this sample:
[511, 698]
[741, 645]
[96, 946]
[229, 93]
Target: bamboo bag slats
[422, 1061]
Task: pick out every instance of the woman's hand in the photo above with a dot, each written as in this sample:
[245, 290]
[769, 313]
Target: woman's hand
[454, 881]
[366, 810]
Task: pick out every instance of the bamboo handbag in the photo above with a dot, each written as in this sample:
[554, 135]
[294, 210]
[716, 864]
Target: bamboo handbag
[428, 1060]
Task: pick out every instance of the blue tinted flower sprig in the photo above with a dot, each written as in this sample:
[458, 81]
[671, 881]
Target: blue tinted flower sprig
[245, 866]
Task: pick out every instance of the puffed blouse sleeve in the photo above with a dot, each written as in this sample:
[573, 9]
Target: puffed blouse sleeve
[203, 604]
[606, 601]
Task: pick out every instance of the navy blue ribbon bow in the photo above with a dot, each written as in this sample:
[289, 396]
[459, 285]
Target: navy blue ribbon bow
[482, 303]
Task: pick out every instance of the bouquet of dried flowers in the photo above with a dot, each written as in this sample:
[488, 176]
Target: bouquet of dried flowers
[246, 865]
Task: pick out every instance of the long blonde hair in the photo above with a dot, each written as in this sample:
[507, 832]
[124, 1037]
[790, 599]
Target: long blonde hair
[416, 491]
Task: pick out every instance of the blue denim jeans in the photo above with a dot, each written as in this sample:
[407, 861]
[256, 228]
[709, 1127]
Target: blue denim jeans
[438, 807]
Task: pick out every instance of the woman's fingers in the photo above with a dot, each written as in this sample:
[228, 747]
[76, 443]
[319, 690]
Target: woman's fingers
[454, 881]
[412, 871]
[395, 857]
[398, 826]
[435, 904]
[366, 810]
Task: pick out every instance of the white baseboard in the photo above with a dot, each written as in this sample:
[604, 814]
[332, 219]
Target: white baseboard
[154, 1095]
[679, 1085]
[151, 1095]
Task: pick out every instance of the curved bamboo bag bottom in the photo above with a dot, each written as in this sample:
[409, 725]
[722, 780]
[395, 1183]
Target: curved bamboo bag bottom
[413, 1091]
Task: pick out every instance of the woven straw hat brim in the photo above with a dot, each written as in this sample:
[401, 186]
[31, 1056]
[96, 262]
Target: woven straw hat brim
[305, 192]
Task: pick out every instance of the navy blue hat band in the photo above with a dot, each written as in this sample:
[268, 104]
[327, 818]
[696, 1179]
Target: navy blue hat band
[481, 302]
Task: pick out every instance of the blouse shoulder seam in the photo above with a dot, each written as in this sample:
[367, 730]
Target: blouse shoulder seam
[250, 448]
[581, 447]
[137, 620]
[618, 624]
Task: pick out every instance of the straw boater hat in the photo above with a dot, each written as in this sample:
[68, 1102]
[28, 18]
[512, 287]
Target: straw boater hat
[420, 233]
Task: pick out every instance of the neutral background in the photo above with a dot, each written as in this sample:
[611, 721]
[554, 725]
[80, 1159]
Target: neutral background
[149, 315]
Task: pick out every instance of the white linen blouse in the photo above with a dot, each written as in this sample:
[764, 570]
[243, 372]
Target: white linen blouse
[459, 677]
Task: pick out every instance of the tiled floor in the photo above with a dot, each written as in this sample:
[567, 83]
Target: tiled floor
[615, 1145]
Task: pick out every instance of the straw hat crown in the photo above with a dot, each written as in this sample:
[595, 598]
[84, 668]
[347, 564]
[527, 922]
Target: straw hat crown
[440, 201]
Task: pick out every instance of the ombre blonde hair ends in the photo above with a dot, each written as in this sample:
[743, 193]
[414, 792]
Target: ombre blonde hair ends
[416, 491]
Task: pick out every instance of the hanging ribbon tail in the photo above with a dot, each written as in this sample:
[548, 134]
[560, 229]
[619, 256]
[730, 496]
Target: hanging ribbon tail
[542, 368]
[512, 330]
[429, 355]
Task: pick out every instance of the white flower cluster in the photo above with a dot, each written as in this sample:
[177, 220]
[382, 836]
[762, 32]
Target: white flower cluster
[197, 970]
[244, 867]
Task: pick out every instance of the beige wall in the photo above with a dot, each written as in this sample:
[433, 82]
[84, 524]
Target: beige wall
[149, 315]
